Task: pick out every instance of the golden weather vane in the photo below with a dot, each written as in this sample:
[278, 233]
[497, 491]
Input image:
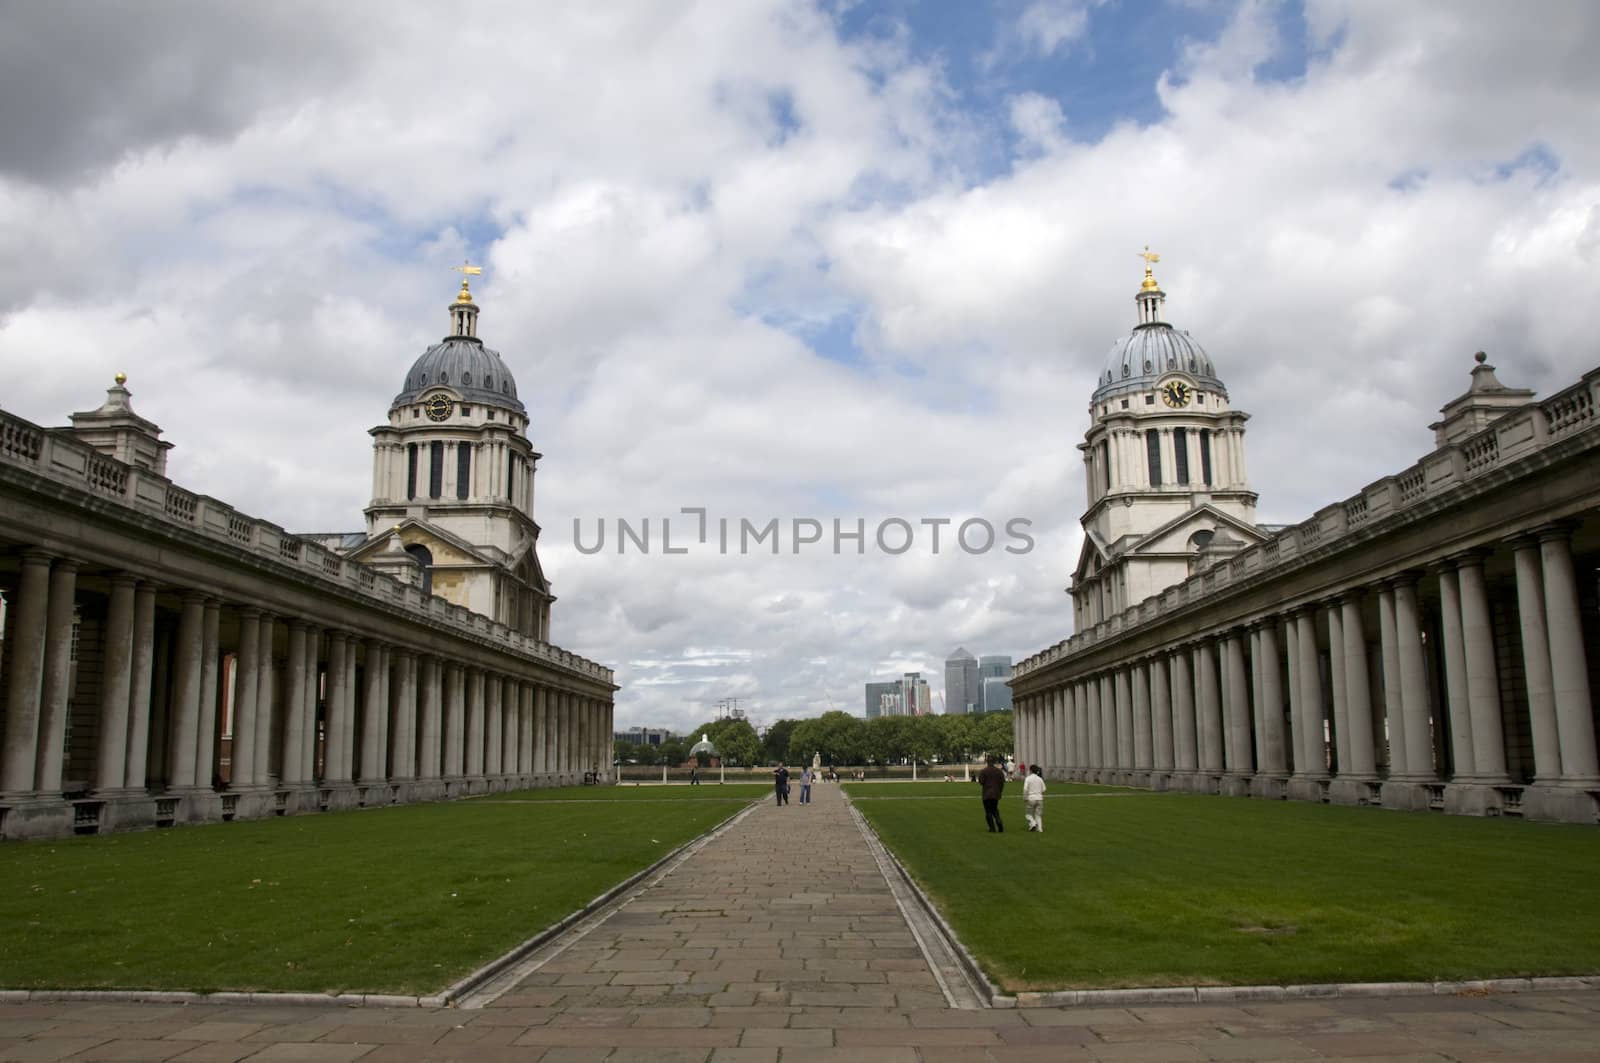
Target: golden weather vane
[1150, 259]
[466, 269]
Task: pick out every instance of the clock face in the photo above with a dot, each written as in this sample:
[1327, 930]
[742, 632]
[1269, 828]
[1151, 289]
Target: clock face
[1176, 393]
[439, 408]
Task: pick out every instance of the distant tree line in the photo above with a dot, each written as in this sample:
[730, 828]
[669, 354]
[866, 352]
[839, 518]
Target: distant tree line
[840, 739]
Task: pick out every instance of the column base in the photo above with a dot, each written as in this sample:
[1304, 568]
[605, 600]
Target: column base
[194, 805]
[119, 810]
[377, 793]
[1235, 785]
[1139, 778]
[474, 784]
[1184, 782]
[339, 796]
[1362, 790]
[1481, 798]
[1269, 787]
[1412, 795]
[1308, 788]
[1161, 781]
[29, 816]
[1562, 802]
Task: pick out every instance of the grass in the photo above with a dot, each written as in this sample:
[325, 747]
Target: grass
[405, 899]
[1153, 890]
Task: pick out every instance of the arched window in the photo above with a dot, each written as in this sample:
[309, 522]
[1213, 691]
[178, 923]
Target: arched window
[424, 557]
[1201, 539]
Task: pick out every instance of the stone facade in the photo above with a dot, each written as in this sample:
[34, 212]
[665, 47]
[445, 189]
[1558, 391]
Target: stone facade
[1429, 643]
[168, 659]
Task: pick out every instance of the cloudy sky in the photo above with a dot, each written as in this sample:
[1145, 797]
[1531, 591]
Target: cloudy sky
[791, 260]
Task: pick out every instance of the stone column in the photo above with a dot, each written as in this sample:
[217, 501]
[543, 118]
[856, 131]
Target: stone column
[294, 707]
[1108, 723]
[1536, 662]
[1483, 679]
[474, 743]
[536, 695]
[144, 635]
[1568, 665]
[1143, 754]
[1413, 692]
[1211, 734]
[1161, 717]
[205, 739]
[1124, 694]
[1297, 717]
[1313, 724]
[494, 724]
[246, 680]
[308, 708]
[1394, 717]
[350, 691]
[266, 705]
[25, 628]
[187, 652]
[429, 691]
[1241, 764]
[56, 688]
[1336, 681]
[1185, 752]
[333, 757]
[1455, 669]
[1363, 764]
[403, 750]
[373, 707]
[1093, 749]
[1269, 704]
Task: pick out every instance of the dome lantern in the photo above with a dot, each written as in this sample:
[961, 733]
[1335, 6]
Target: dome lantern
[464, 312]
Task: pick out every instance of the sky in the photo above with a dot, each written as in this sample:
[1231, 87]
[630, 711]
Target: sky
[780, 260]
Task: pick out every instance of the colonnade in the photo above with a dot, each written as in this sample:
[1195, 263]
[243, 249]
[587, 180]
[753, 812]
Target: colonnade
[128, 703]
[1463, 685]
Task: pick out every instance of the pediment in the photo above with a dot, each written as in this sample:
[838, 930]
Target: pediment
[445, 547]
[1175, 536]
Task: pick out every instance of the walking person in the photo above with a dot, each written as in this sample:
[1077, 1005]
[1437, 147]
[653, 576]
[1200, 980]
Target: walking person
[1033, 800]
[992, 783]
[805, 787]
[694, 775]
[780, 783]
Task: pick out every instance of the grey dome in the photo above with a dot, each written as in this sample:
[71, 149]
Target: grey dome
[467, 367]
[1150, 352]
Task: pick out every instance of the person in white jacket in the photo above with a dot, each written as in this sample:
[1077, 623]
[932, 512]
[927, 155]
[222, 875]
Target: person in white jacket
[1033, 800]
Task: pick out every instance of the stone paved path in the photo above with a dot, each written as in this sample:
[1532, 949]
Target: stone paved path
[777, 942]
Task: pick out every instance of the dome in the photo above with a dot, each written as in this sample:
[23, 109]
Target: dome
[1150, 352]
[467, 367]
[703, 746]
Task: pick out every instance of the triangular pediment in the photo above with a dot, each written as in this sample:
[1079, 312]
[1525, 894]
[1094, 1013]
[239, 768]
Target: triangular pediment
[1175, 537]
[1092, 556]
[446, 548]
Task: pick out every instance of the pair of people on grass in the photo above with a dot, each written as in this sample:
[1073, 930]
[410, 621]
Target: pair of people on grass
[992, 783]
[780, 783]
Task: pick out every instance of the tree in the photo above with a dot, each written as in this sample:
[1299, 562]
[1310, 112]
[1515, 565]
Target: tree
[838, 736]
[672, 751]
[775, 743]
[994, 733]
[955, 736]
[735, 740]
[624, 751]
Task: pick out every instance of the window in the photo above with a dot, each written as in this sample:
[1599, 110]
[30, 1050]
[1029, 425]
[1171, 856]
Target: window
[416, 411]
[411, 471]
[1152, 445]
[435, 469]
[466, 411]
[490, 415]
[1180, 450]
[1205, 456]
[511, 475]
[1149, 400]
[1105, 466]
[463, 469]
[1124, 404]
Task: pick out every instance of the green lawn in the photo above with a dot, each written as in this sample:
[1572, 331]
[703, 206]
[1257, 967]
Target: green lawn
[404, 900]
[1163, 889]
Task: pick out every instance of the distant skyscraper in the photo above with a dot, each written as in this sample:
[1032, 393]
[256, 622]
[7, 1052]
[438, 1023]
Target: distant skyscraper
[883, 699]
[994, 666]
[915, 698]
[962, 691]
[996, 693]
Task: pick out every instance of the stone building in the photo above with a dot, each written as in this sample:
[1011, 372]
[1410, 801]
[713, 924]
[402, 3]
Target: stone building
[1429, 643]
[168, 659]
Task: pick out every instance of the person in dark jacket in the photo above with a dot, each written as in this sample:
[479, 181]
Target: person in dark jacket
[780, 782]
[993, 783]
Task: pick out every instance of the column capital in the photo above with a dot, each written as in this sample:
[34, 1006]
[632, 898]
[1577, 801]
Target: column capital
[1409, 578]
[246, 612]
[33, 555]
[194, 597]
[1561, 529]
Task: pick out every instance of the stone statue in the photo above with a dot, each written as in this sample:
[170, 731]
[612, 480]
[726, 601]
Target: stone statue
[816, 759]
